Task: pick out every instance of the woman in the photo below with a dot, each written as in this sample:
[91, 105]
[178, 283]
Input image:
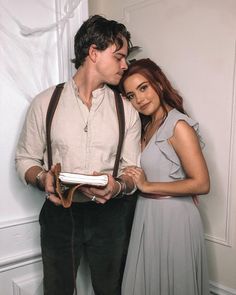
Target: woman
[166, 252]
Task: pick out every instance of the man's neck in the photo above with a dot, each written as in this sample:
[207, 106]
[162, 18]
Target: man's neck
[86, 83]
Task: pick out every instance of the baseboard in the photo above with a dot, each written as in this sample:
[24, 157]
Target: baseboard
[219, 289]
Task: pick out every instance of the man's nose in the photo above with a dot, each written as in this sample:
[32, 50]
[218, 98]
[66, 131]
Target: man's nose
[124, 64]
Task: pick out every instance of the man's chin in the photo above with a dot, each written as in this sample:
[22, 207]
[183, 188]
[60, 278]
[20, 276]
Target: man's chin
[115, 81]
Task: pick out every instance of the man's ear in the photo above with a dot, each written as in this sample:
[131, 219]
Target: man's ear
[93, 53]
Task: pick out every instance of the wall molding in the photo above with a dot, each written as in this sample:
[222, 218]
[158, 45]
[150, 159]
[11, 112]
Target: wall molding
[135, 5]
[227, 240]
[228, 232]
[23, 229]
[20, 259]
[220, 289]
[24, 285]
[18, 221]
[217, 240]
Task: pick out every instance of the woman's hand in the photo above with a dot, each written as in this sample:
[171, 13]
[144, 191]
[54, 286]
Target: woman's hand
[138, 177]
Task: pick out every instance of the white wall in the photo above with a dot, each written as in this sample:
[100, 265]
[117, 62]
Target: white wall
[35, 53]
[195, 44]
[193, 41]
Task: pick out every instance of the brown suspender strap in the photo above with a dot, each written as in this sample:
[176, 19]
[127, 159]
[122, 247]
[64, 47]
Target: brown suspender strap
[50, 113]
[121, 121]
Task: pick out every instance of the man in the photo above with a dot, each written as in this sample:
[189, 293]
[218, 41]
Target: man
[84, 138]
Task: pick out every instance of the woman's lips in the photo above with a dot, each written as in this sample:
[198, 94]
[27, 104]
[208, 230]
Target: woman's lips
[144, 106]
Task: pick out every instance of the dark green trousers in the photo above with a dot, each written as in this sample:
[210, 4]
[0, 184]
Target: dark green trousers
[100, 231]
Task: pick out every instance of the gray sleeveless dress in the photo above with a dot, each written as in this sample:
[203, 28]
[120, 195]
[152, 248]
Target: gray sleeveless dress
[167, 253]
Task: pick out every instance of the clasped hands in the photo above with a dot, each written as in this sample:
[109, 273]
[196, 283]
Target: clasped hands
[99, 195]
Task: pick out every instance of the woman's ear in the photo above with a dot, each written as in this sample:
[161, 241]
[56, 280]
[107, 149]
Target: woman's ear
[93, 53]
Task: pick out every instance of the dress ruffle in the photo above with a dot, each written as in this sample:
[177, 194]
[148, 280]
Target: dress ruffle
[165, 132]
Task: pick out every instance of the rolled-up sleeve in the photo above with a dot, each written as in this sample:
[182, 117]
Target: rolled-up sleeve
[31, 145]
[132, 142]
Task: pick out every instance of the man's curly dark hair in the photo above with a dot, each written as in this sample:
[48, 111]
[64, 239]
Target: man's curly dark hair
[102, 33]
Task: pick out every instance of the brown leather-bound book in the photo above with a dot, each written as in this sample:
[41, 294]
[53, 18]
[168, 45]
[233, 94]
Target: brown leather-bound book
[67, 183]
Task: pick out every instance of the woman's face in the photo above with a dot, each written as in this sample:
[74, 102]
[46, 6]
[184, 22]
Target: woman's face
[142, 95]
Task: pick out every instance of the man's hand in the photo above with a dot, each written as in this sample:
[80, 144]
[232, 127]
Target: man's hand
[101, 194]
[49, 184]
[43, 180]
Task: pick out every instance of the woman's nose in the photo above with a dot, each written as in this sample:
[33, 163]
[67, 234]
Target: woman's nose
[139, 98]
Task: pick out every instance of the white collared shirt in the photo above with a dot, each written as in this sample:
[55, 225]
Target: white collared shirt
[83, 140]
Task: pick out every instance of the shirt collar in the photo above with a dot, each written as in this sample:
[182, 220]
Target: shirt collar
[95, 93]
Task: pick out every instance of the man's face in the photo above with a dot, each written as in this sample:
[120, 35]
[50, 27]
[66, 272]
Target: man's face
[111, 63]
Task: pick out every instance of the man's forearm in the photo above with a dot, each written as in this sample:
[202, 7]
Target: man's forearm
[36, 177]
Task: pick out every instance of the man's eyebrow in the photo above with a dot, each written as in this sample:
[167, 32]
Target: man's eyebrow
[121, 54]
